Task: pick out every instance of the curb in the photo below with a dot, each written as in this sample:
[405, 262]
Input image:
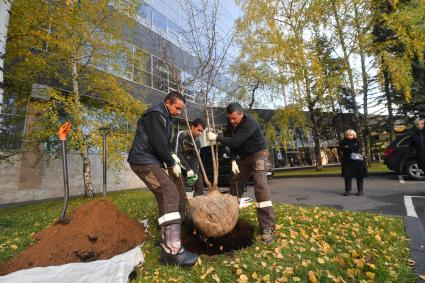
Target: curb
[371, 174]
[416, 234]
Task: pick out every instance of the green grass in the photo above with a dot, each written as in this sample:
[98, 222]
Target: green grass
[375, 167]
[326, 243]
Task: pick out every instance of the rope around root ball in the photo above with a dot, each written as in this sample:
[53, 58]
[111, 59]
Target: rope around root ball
[214, 214]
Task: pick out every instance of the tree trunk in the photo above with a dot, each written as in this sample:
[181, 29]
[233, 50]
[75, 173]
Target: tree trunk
[365, 84]
[340, 34]
[315, 126]
[5, 11]
[317, 152]
[88, 187]
[390, 121]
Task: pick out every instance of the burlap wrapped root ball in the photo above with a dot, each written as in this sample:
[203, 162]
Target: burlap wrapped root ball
[214, 214]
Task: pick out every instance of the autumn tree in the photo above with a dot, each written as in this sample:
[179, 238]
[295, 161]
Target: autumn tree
[289, 36]
[400, 46]
[71, 46]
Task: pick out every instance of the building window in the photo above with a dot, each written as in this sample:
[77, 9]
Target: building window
[145, 11]
[159, 20]
[142, 77]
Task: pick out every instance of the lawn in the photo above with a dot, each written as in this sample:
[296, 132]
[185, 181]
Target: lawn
[313, 244]
[375, 167]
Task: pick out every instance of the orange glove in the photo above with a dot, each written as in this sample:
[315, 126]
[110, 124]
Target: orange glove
[64, 130]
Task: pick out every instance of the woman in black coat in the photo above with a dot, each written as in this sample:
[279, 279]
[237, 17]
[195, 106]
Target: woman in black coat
[352, 167]
[417, 143]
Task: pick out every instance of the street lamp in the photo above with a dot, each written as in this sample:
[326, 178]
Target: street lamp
[105, 131]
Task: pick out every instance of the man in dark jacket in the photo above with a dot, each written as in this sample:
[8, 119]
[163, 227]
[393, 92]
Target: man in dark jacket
[247, 143]
[185, 150]
[417, 143]
[150, 156]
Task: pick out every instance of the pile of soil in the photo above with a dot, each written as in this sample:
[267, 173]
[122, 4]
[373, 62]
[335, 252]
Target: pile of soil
[240, 237]
[96, 230]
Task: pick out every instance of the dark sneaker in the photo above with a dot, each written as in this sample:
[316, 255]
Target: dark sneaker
[346, 194]
[183, 258]
[267, 236]
[360, 193]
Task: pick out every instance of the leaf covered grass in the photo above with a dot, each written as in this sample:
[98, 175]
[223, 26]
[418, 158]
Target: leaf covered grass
[313, 244]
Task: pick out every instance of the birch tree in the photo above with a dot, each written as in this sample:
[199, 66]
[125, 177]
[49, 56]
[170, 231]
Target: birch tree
[72, 45]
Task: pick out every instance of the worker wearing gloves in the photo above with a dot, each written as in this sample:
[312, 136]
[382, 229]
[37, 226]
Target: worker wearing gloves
[248, 143]
[185, 150]
[150, 156]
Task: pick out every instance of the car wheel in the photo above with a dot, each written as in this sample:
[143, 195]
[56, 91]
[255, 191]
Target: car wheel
[412, 170]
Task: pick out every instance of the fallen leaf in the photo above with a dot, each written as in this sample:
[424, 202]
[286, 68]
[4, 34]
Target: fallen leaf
[370, 275]
[293, 234]
[296, 279]
[312, 277]
[13, 246]
[340, 260]
[359, 262]
[243, 278]
[326, 247]
[254, 275]
[279, 255]
[320, 260]
[422, 276]
[209, 270]
[216, 278]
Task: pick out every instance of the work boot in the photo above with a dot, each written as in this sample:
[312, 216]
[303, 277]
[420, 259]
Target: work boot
[360, 193]
[267, 236]
[182, 258]
[172, 251]
[347, 193]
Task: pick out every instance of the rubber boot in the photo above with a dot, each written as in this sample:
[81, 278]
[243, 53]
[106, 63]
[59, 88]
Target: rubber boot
[172, 251]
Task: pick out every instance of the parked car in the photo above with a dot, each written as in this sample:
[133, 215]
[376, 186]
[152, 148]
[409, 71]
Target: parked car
[225, 165]
[399, 158]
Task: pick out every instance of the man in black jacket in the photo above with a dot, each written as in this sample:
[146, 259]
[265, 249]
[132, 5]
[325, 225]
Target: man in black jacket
[185, 150]
[417, 143]
[150, 155]
[247, 142]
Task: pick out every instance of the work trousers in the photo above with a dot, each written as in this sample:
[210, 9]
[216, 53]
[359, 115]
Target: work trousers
[166, 193]
[256, 166]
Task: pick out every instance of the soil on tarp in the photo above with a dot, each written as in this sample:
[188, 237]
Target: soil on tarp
[240, 237]
[96, 230]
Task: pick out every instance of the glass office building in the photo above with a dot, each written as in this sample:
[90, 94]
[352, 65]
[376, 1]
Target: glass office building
[145, 67]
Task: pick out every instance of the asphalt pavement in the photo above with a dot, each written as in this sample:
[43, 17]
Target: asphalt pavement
[382, 194]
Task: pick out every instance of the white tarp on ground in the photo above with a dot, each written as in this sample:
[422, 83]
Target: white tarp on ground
[114, 270]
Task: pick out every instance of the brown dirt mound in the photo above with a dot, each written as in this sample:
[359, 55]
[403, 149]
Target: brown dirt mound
[97, 230]
[240, 237]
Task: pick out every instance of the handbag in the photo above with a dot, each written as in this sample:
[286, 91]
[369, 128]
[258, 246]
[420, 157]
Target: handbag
[356, 156]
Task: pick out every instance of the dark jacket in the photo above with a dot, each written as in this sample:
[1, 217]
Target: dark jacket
[152, 141]
[417, 146]
[246, 139]
[351, 168]
[185, 149]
